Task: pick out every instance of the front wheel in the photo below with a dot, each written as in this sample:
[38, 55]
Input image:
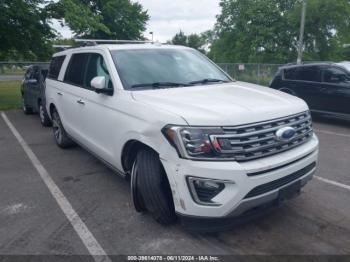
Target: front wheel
[153, 189]
[61, 137]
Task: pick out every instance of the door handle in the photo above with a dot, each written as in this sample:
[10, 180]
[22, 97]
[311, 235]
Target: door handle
[80, 102]
[59, 93]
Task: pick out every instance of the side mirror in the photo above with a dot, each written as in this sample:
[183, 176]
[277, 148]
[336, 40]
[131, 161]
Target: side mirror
[32, 81]
[99, 84]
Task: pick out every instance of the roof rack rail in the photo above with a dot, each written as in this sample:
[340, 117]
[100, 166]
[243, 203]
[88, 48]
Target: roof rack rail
[62, 47]
[94, 42]
[308, 62]
[106, 41]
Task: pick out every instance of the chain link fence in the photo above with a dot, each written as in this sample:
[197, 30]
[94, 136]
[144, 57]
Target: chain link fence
[260, 74]
[15, 70]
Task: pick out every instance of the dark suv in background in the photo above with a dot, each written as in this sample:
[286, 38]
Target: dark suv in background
[324, 86]
[33, 92]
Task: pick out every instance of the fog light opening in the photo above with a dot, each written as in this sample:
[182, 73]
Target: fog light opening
[204, 190]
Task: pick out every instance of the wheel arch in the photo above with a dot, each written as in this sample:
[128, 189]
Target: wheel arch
[129, 153]
[51, 108]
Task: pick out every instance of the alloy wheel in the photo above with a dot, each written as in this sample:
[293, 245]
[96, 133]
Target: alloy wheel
[57, 127]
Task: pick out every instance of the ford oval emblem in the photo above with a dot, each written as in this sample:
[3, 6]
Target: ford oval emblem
[285, 134]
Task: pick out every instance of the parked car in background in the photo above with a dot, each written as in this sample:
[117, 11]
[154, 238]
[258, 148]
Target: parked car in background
[33, 92]
[324, 86]
[196, 144]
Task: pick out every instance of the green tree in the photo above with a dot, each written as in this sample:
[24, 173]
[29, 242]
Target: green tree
[267, 31]
[179, 39]
[104, 19]
[25, 32]
[196, 41]
[326, 28]
[253, 31]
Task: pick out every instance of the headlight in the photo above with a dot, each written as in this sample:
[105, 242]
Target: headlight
[199, 143]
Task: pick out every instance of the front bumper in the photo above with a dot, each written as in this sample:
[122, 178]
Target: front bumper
[236, 199]
[245, 212]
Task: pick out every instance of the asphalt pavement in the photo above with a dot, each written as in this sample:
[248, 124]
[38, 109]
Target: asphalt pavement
[32, 222]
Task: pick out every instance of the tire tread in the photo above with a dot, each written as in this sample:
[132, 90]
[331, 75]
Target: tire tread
[155, 188]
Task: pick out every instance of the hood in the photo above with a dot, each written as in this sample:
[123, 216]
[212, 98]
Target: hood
[228, 104]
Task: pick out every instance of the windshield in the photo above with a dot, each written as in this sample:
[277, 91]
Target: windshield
[159, 68]
[345, 65]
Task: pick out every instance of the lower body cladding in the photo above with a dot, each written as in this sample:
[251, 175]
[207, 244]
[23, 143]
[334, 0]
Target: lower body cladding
[212, 195]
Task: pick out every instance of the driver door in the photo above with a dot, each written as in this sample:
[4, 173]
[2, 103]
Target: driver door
[98, 115]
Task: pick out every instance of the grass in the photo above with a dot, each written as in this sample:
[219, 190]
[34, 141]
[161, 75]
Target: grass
[10, 95]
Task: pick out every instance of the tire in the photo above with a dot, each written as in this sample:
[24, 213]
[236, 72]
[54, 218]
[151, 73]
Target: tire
[26, 109]
[44, 118]
[136, 196]
[60, 135]
[153, 186]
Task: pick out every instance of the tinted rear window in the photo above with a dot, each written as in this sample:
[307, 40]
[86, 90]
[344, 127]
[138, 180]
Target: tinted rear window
[290, 74]
[76, 69]
[55, 67]
[310, 73]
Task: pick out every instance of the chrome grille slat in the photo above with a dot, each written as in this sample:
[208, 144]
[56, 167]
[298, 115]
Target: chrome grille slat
[258, 140]
[271, 146]
[270, 137]
[247, 158]
[264, 130]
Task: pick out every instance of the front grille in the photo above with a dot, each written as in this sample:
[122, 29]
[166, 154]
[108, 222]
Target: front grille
[262, 189]
[259, 140]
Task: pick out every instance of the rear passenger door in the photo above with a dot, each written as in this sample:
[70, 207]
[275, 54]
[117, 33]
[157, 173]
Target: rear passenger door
[336, 90]
[305, 82]
[54, 84]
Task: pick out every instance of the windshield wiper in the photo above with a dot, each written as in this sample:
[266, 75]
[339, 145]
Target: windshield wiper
[160, 84]
[208, 80]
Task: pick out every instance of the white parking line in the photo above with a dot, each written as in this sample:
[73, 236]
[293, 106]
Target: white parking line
[331, 133]
[82, 230]
[334, 183]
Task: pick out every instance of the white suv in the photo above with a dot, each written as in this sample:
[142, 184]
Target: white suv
[197, 145]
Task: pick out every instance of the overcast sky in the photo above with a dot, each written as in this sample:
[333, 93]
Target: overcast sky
[167, 17]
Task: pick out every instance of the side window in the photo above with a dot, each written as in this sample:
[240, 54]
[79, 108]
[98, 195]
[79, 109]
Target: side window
[335, 75]
[44, 73]
[309, 73]
[291, 73]
[36, 73]
[55, 67]
[76, 69]
[96, 67]
[28, 74]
